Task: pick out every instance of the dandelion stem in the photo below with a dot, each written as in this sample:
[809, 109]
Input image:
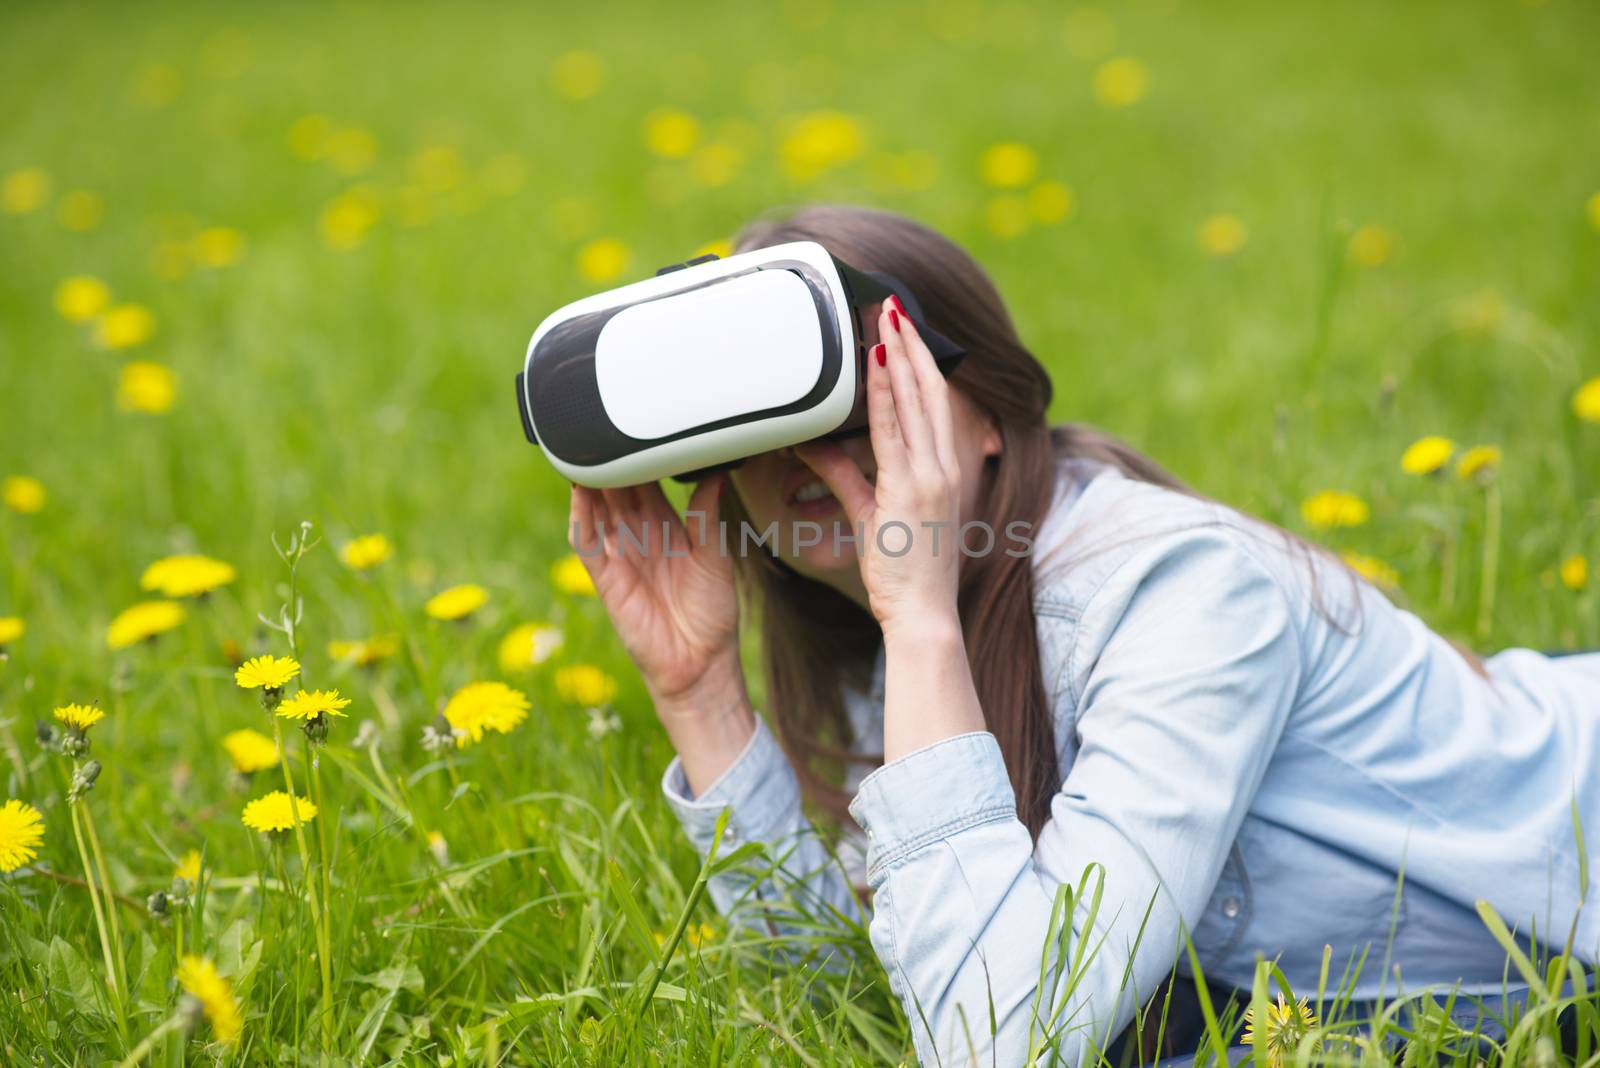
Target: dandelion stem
[109, 890]
[324, 937]
[1491, 558]
[310, 885]
[99, 918]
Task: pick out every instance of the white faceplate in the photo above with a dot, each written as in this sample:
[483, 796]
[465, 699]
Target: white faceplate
[667, 365]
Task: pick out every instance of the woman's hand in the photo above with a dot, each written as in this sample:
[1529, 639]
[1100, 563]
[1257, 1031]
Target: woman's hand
[674, 607]
[910, 556]
[928, 690]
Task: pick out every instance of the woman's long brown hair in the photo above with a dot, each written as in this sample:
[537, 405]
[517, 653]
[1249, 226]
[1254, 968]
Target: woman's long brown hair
[815, 640]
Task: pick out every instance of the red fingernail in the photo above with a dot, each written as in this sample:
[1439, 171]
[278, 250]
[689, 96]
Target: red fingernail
[894, 320]
[881, 353]
[901, 308]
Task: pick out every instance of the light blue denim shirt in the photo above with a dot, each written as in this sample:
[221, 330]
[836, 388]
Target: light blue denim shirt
[1241, 767]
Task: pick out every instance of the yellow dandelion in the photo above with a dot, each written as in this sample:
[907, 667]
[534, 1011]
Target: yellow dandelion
[217, 246]
[143, 621]
[250, 751]
[79, 717]
[364, 651]
[24, 190]
[1007, 215]
[437, 168]
[366, 552]
[585, 684]
[671, 133]
[82, 297]
[275, 813]
[123, 326]
[309, 704]
[186, 575]
[1371, 246]
[1586, 402]
[1334, 508]
[1008, 164]
[1479, 462]
[819, 141]
[266, 672]
[1280, 1033]
[1575, 572]
[308, 136]
[602, 259]
[457, 601]
[1373, 570]
[21, 832]
[188, 868]
[1221, 235]
[1120, 82]
[485, 706]
[1051, 201]
[351, 151]
[11, 628]
[81, 210]
[528, 646]
[1427, 455]
[348, 217]
[146, 387]
[1593, 208]
[201, 981]
[24, 494]
[571, 577]
[578, 75]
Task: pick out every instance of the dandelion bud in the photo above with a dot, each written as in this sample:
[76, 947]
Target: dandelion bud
[83, 780]
[157, 903]
[316, 729]
[46, 734]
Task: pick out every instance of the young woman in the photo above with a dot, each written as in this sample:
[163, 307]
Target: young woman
[1249, 741]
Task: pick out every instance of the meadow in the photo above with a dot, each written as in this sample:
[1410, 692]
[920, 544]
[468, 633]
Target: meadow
[266, 273]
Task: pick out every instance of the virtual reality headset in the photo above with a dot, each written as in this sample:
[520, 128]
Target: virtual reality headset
[706, 364]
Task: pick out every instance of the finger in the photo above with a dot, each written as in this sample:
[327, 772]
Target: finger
[888, 445]
[908, 404]
[706, 499]
[935, 388]
[621, 513]
[842, 477]
[582, 533]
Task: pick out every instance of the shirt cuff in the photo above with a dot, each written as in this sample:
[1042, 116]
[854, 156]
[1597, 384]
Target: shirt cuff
[759, 786]
[929, 795]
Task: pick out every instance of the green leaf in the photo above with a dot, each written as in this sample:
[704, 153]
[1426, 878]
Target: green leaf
[70, 974]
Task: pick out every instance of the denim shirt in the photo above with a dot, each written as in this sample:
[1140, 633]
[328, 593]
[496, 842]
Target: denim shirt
[1246, 767]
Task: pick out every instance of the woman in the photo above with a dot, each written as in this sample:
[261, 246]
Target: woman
[1249, 741]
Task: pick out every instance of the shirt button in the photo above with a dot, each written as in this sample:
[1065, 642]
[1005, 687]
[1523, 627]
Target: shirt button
[1230, 907]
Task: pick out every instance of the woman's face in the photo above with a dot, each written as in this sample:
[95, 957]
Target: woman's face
[778, 487]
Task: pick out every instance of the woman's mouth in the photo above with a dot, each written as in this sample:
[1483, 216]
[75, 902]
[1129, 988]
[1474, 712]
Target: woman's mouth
[813, 500]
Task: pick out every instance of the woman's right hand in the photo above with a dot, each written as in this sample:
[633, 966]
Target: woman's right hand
[674, 606]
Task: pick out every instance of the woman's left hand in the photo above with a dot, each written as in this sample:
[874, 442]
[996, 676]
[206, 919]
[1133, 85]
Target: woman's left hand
[910, 554]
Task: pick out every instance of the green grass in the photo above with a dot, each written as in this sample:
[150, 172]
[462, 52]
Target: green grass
[368, 389]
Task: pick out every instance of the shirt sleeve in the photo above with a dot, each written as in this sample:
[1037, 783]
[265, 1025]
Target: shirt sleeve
[1189, 663]
[800, 881]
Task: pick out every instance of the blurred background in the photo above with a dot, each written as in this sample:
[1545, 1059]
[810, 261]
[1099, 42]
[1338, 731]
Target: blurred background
[280, 261]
